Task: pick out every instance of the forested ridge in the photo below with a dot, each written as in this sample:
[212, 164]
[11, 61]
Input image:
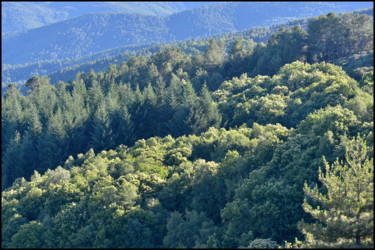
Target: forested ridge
[97, 31]
[234, 147]
[66, 69]
[21, 16]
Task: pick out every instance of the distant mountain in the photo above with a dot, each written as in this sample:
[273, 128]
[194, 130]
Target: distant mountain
[21, 16]
[231, 16]
[65, 70]
[81, 36]
[92, 33]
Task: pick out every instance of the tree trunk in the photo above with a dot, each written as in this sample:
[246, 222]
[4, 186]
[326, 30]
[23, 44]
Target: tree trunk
[358, 235]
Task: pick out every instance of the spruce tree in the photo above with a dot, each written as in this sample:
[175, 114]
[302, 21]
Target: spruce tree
[173, 92]
[10, 164]
[101, 133]
[206, 113]
[123, 127]
[53, 144]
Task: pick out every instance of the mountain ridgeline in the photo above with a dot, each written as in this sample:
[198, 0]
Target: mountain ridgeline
[95, 32]
[304, 48]
[22, 16]
[67, 69]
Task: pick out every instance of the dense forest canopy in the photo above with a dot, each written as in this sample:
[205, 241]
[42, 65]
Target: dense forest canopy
[238, 146]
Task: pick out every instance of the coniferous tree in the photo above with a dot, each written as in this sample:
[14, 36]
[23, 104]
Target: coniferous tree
[146, 116]
[123, 127]
[206, 113]
[77, 116]
[189, 98]
[95, 96]
[235, 63]
[173, 92]
[52, 145]
[101, 133]
[35, 127]
[214, 54]
[35, 82]
[29, 148]
[11, 166]
[346, 215]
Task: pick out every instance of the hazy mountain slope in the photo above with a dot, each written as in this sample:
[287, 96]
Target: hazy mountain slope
[20, 16]
[91, 33]
[66, 69]
[224, 17]
[81, 36]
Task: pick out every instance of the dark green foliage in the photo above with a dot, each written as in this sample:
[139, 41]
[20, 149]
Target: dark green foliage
[10, 164]
[29, 236]
[205, 113]
[332, 36]
[188, 233]
[357, 65]
[101, 134]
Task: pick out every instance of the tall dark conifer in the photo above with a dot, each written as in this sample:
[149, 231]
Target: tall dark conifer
[101, 131]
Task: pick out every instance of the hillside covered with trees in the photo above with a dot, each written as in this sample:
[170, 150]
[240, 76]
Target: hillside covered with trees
[67, 69]
[22, 16]
[245, 145]
[94, 32]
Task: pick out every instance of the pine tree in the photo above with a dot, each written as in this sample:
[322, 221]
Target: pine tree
[10, 163]
[345, 217]
[95, 96]
[12, 115]
[53, 144]
[206, 113]
[33, 120]
[101, 133]
[29, 148]
[189, 97]
[123, 127]
[234, 64]
[147, 117]
[237, 49]
[214, 55]
[35, 82]
[173, 92]
[76, 117]
[160, 91]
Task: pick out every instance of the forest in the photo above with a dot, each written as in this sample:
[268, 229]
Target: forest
[245, 145]
[65, 69]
